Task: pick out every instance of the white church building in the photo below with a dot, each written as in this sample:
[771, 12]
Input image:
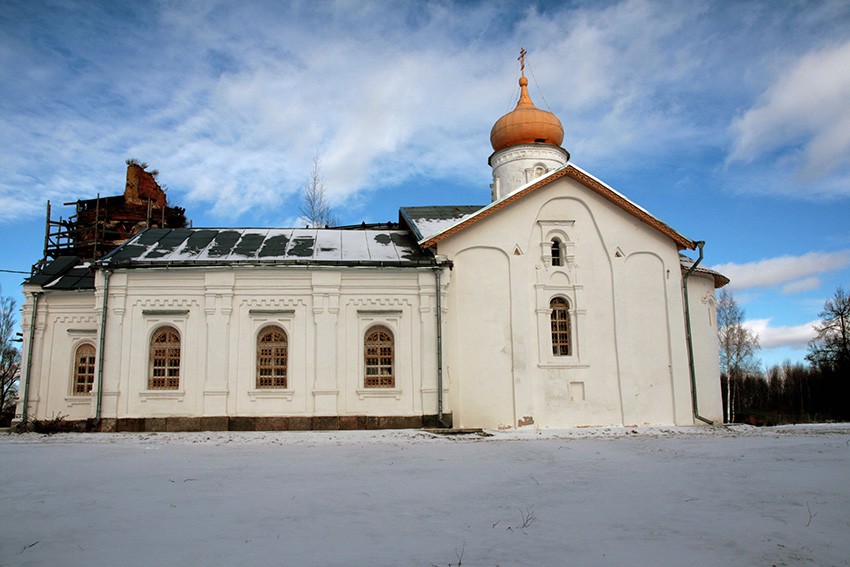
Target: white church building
[560, 303]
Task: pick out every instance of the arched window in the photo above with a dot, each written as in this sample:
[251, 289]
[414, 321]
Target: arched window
[561, 336]
[84, 369]
[271, 358]
[379, 358]
[557, 259]
[165, 360]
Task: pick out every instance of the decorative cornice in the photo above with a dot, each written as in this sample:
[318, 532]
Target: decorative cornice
[83, 319]
[273, 303]
[166, 303]
[379, 302]
[530, 152]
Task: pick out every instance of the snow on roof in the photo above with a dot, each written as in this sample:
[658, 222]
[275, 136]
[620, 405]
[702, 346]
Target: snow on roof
[719, 279]
[429, 221]
[64, 273]
[185, 246]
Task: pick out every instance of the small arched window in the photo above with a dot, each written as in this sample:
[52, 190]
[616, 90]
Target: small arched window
[84, 369]
[271, 358]
[561, 335]
[557, 256]
[379, 351]
[165, 360]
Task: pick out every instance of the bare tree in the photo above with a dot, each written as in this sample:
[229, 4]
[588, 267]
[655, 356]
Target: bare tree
[830, 349]
[738, 347]
[315, 209]
[10, 358]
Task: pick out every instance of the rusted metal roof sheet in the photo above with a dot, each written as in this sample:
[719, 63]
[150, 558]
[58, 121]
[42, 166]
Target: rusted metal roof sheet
[314, 246]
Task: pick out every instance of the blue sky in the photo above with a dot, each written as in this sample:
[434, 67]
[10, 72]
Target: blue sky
[728, 120]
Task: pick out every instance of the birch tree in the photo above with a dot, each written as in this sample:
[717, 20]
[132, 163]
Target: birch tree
[738, 347]
[315, 208]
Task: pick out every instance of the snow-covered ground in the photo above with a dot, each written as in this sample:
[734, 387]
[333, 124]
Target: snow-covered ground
[649, 496]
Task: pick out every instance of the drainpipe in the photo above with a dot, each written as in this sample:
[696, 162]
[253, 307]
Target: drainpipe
[700, 244]
[440, 418]
[33, 318]
[100, 347]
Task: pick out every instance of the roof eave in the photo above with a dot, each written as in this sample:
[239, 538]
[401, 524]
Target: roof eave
[136, 264]
[585, 179]
[614, 196]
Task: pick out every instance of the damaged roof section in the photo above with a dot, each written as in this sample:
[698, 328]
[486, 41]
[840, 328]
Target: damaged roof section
[65, 273]
[316, 246]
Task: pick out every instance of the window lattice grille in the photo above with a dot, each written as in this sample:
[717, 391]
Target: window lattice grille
[84, 369]
[271, 358]
[560, 326]
[165, 360]
[379, 354]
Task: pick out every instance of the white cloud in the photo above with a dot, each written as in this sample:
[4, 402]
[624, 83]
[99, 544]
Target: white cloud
[232, 112]
[799, 286]
[796, 337]
[230, 101]
[802, 122]
[796, 271]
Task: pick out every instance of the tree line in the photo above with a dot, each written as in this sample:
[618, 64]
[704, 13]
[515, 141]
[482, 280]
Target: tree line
[815, 391]
[10, 360]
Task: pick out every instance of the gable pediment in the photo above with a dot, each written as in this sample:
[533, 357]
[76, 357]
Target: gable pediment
[585, 180]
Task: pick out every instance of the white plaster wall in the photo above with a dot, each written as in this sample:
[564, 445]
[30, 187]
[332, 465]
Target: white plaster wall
[365, 303]
[646, 374]
[261, 298]
[65, 320]
[155, 299]
[517, 165]
[479, 338]
[622, 279]
[703, 305]
[325, 314]
[219, 313]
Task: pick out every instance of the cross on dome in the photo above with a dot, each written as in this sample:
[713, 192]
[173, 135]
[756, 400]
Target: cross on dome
[526, 124]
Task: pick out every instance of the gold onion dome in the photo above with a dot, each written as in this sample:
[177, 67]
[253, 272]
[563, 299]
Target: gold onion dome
[526, 124]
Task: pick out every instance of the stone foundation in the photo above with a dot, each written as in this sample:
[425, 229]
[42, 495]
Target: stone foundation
[266, 423]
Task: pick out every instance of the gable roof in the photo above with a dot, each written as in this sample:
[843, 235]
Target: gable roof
[283, 246]
[426, 222]
[573, 172]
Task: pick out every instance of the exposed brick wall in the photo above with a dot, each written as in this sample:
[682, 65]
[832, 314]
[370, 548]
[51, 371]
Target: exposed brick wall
[142, 186]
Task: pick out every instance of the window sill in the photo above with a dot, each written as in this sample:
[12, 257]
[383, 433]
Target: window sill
[78, 400]
[559, 364]
[379, 393]
[162, 395]
[271, 394]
